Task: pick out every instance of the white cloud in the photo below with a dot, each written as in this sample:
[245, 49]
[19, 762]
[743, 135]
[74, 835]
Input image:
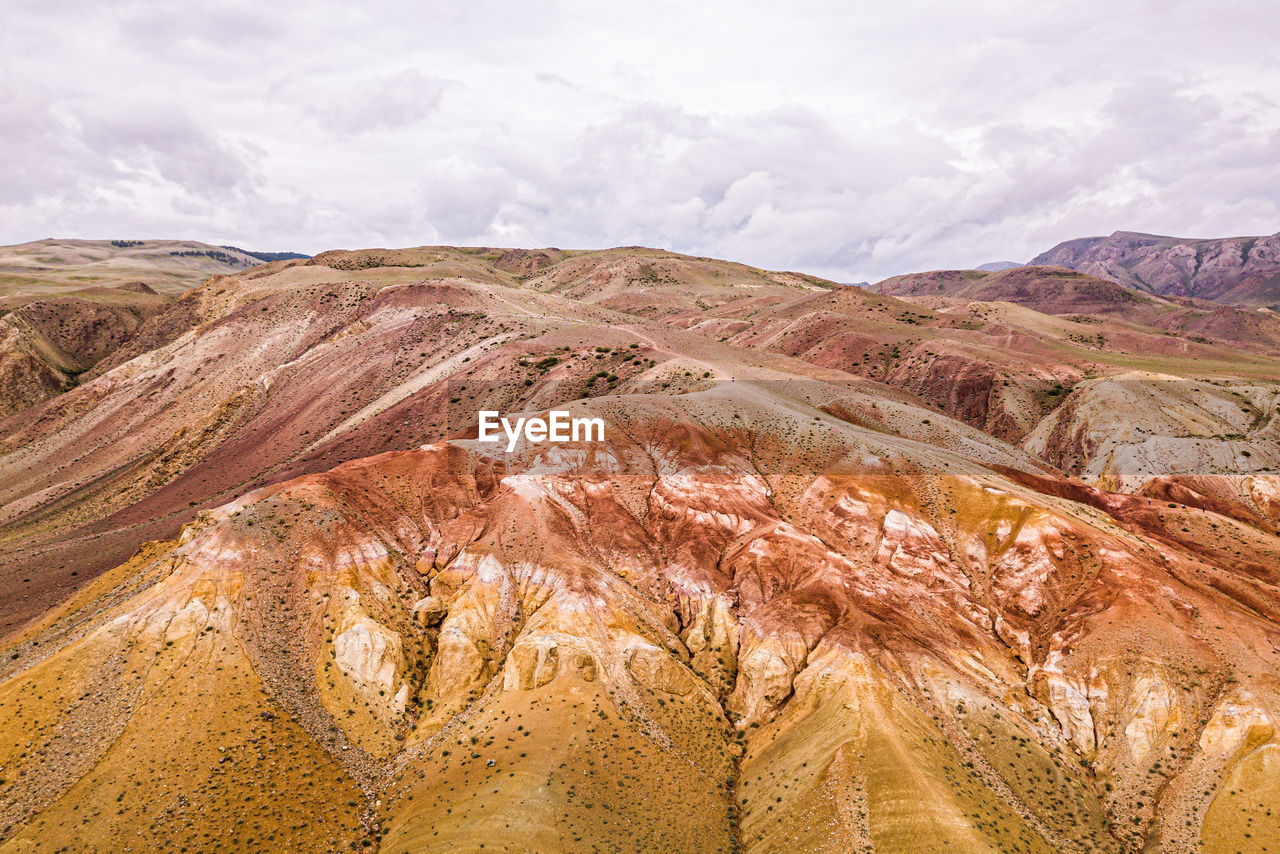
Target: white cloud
[852, 140]
[390, 101]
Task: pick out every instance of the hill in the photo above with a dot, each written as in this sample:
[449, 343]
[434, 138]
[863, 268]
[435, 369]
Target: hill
[848, 571]
[68, 306]
[47, 344]
[1063, 292]
[1232, 270]
[50, 267]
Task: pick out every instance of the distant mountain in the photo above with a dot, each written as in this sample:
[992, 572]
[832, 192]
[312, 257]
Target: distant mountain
[997, 266]
[1233, 270]
[54, 267]
[1062, 292]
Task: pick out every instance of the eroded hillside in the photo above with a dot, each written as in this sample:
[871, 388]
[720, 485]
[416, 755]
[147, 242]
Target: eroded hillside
[740, 611]
[789, 603]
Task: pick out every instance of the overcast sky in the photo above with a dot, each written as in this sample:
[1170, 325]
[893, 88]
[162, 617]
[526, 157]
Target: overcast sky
[848, 139]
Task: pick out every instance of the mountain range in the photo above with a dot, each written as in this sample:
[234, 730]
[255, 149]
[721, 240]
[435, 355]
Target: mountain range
[967, 560]
[1234, 270]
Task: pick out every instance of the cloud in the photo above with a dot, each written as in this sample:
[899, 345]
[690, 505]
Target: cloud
[391, 101]
[854, 141]
[40, 151]
[112, 164]
[153, 138]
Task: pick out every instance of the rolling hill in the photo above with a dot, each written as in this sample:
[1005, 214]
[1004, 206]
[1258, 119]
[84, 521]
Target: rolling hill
[988, 563]
[66, 306]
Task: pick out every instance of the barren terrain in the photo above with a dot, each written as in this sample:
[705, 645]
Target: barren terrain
[1241, 271]
[979, 562]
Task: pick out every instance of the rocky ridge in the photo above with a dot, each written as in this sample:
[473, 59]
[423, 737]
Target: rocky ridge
[1241, 271]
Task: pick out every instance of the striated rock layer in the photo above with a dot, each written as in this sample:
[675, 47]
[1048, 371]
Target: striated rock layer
[989, 568]
[740, 623]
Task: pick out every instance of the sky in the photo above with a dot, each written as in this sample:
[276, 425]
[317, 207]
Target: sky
[851, 140]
